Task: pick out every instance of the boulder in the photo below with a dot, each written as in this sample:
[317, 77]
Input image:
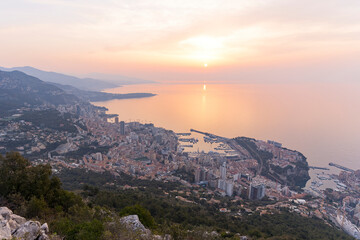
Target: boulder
[18, 219]
[43, 237]
[5, 213]
[5, 230]
[133, 223]
[13, 225]
[45, 228]
[28, 231]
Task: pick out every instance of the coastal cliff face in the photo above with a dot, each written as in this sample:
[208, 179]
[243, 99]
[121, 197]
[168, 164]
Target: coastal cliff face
[279, 164]
[292, 175]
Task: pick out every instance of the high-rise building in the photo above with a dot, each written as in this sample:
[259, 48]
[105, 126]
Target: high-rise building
[99, 156]
[236, 177]
[222, 184]
[256, 191]
[122, 128]
[229, 188]
[203, 175]
[116, 120]
[223, 171]
[197, 175]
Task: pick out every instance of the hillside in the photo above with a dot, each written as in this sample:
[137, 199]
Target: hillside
[93, 96]
[18, 90]
[88, 84]
[33, 192]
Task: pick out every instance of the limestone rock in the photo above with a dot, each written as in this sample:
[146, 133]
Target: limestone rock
[18, 219]
[5, 213]
[28, 231]
[45, 228]
[133, 223]
[13, 226]
[5, 231]
[43, 237]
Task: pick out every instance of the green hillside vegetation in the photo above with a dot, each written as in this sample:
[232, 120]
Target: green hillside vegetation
[50, 118]
[33, 192]
[174, 216]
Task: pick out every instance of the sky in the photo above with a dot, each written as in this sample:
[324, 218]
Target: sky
[171, 40]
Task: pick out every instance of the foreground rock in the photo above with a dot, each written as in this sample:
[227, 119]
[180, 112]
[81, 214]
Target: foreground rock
[134, 229]
[13, 226]
[133, 224]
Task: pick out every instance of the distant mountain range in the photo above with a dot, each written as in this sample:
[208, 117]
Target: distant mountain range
[88, 84]
[91, 83]
[18, 89]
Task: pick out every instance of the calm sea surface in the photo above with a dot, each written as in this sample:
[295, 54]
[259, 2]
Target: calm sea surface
[320, 120]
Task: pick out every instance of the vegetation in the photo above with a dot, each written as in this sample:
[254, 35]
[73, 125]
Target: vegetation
[143, 214]
[176, 217]
[20, 90]
[50, 118]
[33, 192]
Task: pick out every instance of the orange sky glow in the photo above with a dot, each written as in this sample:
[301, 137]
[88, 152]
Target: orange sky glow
[165, 40]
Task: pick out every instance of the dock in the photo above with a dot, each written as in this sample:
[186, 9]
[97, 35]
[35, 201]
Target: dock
[341, 167]
[210, 135]
[183, 134]
[320, 168]
[203, 133]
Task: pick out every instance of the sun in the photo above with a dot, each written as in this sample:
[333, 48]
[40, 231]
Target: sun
[205, 64]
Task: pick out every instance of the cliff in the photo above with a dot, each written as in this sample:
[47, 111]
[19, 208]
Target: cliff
[292, 170]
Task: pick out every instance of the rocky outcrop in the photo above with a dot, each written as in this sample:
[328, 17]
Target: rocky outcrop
[133, 224]
[13, 226]
[134, 229]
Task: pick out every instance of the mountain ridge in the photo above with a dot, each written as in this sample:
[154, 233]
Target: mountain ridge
[18, 89]
[88, 84]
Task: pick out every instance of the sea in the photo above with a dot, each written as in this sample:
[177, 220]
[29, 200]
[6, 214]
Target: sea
[320, 120]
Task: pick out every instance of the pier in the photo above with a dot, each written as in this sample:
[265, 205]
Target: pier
[210, 135]
[183, 134]
[203, 133]
[341, 167]
[321, 168]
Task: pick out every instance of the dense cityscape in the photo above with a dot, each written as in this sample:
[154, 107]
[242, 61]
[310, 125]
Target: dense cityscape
[179, 120]
[240, 168]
